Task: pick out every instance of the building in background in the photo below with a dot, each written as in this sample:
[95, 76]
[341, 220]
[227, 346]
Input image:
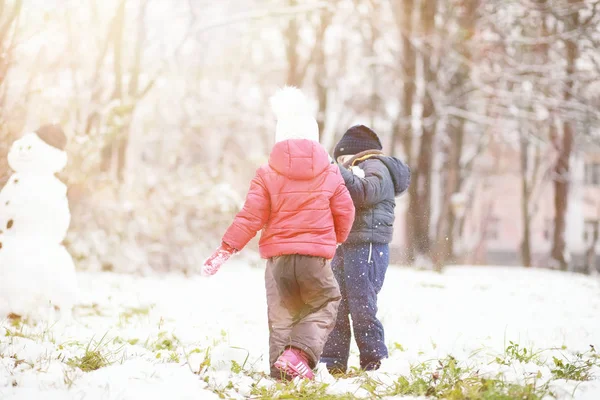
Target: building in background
[493, 223]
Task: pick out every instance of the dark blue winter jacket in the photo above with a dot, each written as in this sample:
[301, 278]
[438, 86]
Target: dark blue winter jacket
[374, 195]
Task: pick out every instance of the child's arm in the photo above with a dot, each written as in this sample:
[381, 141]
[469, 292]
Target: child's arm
[342, 209]
[369, 190]
[253, 216]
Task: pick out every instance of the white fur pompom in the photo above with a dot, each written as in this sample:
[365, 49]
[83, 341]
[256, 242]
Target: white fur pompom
[290, 102]
[295, 119]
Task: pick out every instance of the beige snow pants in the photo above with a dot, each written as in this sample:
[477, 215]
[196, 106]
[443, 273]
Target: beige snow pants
[302, 300]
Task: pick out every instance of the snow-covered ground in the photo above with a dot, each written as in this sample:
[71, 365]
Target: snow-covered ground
[154, 333]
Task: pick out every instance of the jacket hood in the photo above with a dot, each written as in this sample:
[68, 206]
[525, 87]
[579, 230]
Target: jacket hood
[399, 171]
[299, 159]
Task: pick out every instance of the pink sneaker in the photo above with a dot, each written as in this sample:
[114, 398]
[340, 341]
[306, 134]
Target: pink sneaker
[294, 362]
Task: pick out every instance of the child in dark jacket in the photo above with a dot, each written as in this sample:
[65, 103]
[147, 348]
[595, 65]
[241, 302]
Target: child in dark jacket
[360, 264]
[304, 210]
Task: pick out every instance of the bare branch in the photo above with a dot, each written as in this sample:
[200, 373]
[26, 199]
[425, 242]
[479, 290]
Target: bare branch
[256, 15]
[9, 21]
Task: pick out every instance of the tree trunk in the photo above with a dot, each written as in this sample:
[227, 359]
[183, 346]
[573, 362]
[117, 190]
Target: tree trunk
[446, 229]
[403, 12]
[321, 70]
[422, 211]
[114, 155]
[374, 33]
[118, 51]
[446, 222]
[292, 37]
[590, 254]
[7, 45]
[423, 186]
[525, 195]
[111, 154]
[562, 178]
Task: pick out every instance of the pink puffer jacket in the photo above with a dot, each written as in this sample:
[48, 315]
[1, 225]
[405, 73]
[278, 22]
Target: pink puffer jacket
[300, 202]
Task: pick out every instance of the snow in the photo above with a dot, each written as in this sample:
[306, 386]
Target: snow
[156, 331]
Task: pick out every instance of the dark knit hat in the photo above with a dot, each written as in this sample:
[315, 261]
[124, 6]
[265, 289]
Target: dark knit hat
[357, 139]
[52, 135]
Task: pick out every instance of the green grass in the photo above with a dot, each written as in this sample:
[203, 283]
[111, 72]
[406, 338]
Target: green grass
[398, 346]
[132, 312]
[23, 328]
[454, 380]
[204, 364]
[432, 285]
[174, 357]
[96, 356]
[302, 390]
[88, 310]
[16, 333]
[448, 378]
[516, 353]
[577, 368]
[165, 342]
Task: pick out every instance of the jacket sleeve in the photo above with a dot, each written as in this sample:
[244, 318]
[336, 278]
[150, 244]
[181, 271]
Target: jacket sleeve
[369, 190]
[342, 209]
[253, 216]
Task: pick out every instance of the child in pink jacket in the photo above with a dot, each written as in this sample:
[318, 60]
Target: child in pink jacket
[301, 204]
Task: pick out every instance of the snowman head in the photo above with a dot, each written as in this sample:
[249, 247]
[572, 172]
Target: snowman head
[40, 152]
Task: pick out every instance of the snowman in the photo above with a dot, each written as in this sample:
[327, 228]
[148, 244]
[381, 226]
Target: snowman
[36, 271]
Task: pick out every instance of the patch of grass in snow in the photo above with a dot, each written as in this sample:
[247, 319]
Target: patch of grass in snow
[118, 340]
[88, 310]
[126, 316]
[16, 321]
[452, 380]
[447, 378]
[515, 352]
[237, 368]
[433, 344]
[432, 285]
[398, 346]
[577, 369]
[95, 356]
[15, 333]
[90, 361]
[69, 378]
[20, 328]
[299, 390]
[165, 342]
[174, 357]
[204, 364]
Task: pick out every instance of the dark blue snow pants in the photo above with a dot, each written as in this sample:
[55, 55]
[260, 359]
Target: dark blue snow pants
[360, 271]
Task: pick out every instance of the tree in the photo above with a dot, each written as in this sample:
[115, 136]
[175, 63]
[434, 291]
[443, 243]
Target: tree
[124, 97]
[461, 90]
[564, 144]
[419, 157]
[321, 73]
[420, 198]
[404, 15]
[13, 119]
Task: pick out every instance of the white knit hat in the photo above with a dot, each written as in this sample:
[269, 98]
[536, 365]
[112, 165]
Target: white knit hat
[294, 117]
